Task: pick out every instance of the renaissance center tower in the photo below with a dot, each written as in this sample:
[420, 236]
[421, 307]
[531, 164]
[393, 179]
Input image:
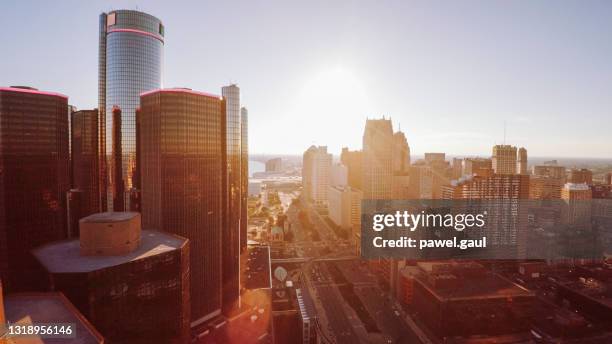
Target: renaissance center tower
[131, 50]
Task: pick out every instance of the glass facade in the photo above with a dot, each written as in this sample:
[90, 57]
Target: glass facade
[244, 175]
[84, 162]
[34, 178]
[181, 166]
[232, 202]
[131, 57]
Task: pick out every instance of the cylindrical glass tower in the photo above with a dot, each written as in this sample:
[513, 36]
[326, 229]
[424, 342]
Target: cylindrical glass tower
[130, 63]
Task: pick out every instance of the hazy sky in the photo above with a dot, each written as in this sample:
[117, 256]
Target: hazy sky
[450, 72]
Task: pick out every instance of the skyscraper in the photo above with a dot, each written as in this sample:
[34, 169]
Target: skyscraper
[130, 62]
[378, 159]
[504, 159]
[244, 176]
[232, 202]
[401, 153]
[182, 154]
[316, 175]
[522, 161]
[84, 161]
[34, 178]
[353, 160]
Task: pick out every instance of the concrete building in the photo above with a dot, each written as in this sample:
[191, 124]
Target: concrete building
[580, 176]
[339, 175]
[316, 175]
[183, 175]
[522, 161]
[577, 199]
[445, 293]
[552, 171]
[542, 187]
[132, 284]
[434, 157]
[274, 165]
[477, 166]
[131, 49]
[378, 159]
[353, 160]
[34, 178]
[504, 159]
[457, 167]
[401, 153]
[345, 206]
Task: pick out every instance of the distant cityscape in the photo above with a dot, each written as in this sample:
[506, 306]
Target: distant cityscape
[146, 220]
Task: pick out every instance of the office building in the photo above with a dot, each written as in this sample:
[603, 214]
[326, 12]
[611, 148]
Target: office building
[434, 157]
[84, 162]
[232, 199]
[577, 200]
[378, 159]
[543, 187]
[132, 284]
[501, 194]
[31, 309]
[401, 153]
[553, 171]
[353, 160]
[580, 176]
[444, 293]
[477, 166]
[182, 174]
[339, 175]
[457, 167]
[244, 176]
[274, 165]
[522, 161]
[131, 46]
[316, 175]
[504, 159]
[34, 178]
[345, 207]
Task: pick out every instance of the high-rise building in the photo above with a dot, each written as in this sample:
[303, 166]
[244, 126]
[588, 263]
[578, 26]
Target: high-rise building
[580, 176]
[543, 187]
[84, 161]
[233, 200]
[457, 168]
[552, 171]
[353, 160]
[504, 159]
[274, 165]
[338, 175]
[34, 178]
[502, 195]
[316, 173]
[477, 166]
[378, 159]
[182, 166]
[401, 153]
[131, 46]
[577, 199]
[131, 284]
[434, 157]
[244, 176]
[522, 161]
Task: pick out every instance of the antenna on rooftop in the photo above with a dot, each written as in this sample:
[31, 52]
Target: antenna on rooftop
[504, 132]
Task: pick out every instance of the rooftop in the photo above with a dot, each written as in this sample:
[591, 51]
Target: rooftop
[31, 90]
[65, 257]
[40, 308]
[109, 217]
